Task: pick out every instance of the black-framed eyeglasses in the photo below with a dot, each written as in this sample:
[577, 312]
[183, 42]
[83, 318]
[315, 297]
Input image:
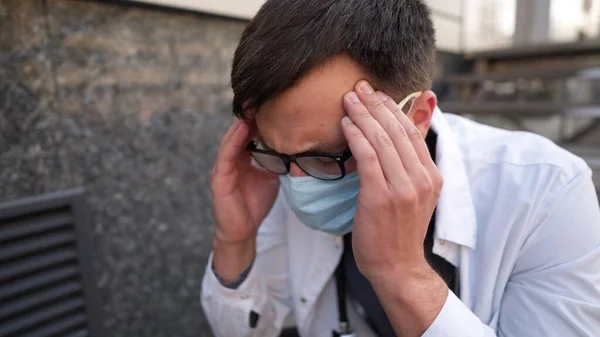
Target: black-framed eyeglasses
[324, 166]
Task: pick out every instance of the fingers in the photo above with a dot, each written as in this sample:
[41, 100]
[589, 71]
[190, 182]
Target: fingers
[232, 145]
[400, 133]
[414, 135]
[384, 133]
[363, 116]
[367, 161]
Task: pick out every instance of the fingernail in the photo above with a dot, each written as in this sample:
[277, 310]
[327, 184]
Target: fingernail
[365, 87]
[353, 97]
[346, 120]
[382, 97]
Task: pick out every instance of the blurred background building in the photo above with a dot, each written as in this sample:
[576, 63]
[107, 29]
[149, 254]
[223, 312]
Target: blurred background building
[116, 108]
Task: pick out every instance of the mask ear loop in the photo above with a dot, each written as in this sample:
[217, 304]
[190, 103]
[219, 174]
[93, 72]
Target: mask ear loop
[407, 99]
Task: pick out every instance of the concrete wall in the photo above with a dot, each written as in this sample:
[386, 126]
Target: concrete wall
[130, 103]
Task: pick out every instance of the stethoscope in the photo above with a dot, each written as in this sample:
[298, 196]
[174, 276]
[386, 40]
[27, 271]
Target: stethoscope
[344, 328]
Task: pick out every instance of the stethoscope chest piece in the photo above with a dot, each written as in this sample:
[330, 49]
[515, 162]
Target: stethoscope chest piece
[344, 331]
[349, 334]
[344, 334]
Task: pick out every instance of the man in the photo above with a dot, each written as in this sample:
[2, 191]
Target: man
[332, 219]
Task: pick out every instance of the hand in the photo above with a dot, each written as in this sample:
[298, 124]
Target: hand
[399, 186]
[242, 196]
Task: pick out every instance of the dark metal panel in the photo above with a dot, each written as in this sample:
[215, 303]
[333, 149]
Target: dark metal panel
[39, 203]
[33, 319]
[33, 225]
[60, 326]
[36, 300]
[15, 269]
[47, 287]
[28, 284]
[35, 244]
[85, 247]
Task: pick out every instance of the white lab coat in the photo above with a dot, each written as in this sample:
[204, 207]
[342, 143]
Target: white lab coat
[517, 215]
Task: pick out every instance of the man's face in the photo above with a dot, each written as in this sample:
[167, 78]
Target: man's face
[307, 117]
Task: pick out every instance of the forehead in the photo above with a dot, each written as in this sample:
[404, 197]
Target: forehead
[309, 114]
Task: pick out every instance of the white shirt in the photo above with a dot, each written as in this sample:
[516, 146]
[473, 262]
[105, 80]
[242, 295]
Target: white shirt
[517, 215]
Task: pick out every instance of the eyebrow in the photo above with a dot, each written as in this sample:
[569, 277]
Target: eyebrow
[318, 147]
[322, 147]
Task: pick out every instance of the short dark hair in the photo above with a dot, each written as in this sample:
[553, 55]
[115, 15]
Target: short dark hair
[393, 40]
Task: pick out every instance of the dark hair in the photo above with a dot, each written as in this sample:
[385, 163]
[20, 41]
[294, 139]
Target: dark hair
[393, 40]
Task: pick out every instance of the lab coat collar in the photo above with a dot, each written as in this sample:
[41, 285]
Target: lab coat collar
[455, 214]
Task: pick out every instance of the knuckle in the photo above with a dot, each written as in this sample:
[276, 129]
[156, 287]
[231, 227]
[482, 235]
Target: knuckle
[438, 183]
[406, 196]
[376, 104]
[356, 132]
[397, 128]
[364, 114]
[414, 133]
[396, 110]
[384, 140]
[382, 201]
[424, 184]
[371, 156]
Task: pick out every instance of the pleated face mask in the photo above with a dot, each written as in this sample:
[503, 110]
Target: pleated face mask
[328, 206]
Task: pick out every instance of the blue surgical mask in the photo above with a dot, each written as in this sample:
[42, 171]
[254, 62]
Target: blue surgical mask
[328, 206]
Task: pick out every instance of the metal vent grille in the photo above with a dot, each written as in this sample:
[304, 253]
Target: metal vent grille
[46, 282]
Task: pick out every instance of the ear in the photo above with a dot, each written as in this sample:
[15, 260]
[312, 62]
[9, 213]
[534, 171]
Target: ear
[422, 111]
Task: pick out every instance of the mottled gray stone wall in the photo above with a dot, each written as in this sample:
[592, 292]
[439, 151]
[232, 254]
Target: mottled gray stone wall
[129, 102]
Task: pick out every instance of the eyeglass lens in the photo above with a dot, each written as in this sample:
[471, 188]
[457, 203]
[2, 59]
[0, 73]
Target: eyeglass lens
[319, 167]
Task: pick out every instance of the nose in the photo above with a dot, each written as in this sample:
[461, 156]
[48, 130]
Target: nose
[295, 171]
